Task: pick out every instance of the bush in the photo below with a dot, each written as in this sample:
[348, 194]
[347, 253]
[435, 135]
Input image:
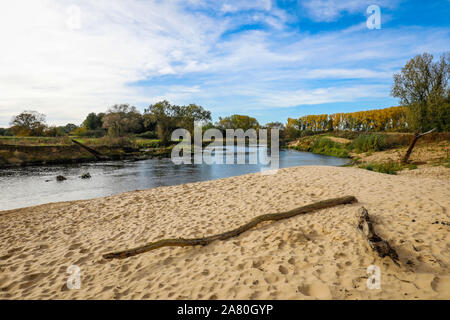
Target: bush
[83, 132]
[387, 167]
[330, 148]
[148, 135]
[147, 143]
[397, 140]
[369, 142]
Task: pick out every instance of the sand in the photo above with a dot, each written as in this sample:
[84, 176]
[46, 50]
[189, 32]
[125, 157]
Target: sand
[314, 256]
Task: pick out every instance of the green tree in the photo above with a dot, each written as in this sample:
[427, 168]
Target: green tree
[68, 128]
[93, 121]
[121, 120]
[190, 114]
[422, 86]
[237, 121]
[165, 116]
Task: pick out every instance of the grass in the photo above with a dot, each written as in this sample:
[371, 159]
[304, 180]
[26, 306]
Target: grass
[446, 163]
[148, 143]
[386, 167]
[35, 141]
[329, 148]
[66, 140]
[369, 143]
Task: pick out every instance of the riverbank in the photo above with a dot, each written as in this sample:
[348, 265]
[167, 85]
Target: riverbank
[317, 255]
[30, 155]
[382, 152]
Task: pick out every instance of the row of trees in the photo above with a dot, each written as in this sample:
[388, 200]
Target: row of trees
[32, 123]
[388, 119]
[159, 120]
[422, 87]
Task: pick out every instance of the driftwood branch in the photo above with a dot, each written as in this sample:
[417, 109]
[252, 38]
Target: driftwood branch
[377, 244]
[233, 233]
[412, 143]
[96, 154]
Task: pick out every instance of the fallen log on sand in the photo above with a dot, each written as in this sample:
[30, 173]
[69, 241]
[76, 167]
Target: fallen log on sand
[375, 242]
[233, 233]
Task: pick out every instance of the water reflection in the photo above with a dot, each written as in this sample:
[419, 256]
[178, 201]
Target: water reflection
[22, 187]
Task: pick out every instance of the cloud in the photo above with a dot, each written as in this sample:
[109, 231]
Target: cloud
[244, 5]
[48, 65]
[322, 95]
[331, 10]
[139, 52]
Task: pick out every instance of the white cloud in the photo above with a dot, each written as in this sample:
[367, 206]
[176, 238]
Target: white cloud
[331, 10]
[68, 72]
[322, 95]
[240, 5]
[46, 65]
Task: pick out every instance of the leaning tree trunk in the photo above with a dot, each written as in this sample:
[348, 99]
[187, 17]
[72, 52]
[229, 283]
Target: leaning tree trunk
[416, 137]
[96, 154]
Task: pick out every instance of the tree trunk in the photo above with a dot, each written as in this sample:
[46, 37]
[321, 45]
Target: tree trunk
[233, 233]
[377, 244]
[96, 154]
[416, 137]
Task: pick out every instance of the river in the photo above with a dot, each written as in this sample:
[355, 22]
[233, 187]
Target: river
[34, 185]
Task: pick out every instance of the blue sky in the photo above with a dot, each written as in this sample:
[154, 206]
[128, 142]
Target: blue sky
[268, 59]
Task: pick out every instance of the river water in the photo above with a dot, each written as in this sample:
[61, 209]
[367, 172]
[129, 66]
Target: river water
[29, 186]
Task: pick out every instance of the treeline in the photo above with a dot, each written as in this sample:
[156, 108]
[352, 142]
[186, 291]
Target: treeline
[422, 86]
[158, 121]
[388, 119]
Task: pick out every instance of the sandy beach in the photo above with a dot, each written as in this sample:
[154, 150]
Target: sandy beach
[319, 255]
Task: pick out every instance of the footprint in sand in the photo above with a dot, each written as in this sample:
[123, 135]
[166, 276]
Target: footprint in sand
[317, 290]
[283, 269]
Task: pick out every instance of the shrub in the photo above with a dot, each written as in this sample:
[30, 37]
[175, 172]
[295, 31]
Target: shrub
[330, 148]
[369, 142]
[147, 143]
[83, 132]
[386, 167]
[397, 140]
[148, 135]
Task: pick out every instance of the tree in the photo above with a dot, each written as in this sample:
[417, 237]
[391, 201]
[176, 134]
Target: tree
[422, 86]
[121, 120]
[28, 123]
[93, 121]
[68, 128]
[53, 131]
[190, 114]
[237, 121]
[292, 129]
[5, 132]
[165, 116]
[276, 125]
